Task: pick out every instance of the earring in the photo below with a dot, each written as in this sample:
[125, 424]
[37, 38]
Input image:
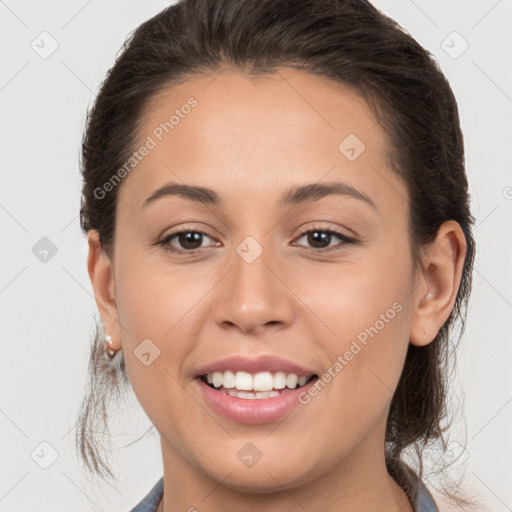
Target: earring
[115, 359]
[110, 353]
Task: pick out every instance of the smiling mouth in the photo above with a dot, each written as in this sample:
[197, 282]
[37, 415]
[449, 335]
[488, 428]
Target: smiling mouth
[278, 389]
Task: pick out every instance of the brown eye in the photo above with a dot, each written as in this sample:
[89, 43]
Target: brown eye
[320, 239]
[187, 241]
[190, 239]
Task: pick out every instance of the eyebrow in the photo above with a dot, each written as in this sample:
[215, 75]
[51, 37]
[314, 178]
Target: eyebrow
[293, 196]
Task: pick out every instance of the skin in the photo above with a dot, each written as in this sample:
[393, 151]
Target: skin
[251, 140]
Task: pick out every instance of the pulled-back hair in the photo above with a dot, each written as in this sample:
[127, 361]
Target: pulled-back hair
[349, 42]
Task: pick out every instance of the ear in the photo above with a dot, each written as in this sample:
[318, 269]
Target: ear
[101, 273]
[437, 282]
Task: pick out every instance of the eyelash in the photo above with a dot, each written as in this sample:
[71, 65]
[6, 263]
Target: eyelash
[165, 242]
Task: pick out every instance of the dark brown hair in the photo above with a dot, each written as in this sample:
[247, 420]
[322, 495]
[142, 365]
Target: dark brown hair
[349, 42]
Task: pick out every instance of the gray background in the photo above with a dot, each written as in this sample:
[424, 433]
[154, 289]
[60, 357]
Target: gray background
[47, 307]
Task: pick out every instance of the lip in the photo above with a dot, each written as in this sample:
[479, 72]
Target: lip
[261, 364]
[255, 411]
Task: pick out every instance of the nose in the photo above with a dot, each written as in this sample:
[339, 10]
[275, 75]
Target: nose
[254, 296]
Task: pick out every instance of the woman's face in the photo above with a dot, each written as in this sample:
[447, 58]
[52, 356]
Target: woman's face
[258, 281]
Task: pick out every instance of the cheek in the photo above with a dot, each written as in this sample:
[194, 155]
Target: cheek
[147, 309]
[162, 310]
[365, 315]
[156, 298]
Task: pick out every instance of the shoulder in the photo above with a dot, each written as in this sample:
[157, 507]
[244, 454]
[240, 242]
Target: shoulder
[150, 502]
[444, 506]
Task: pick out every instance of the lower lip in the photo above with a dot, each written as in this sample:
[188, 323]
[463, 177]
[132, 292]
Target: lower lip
[252, 411]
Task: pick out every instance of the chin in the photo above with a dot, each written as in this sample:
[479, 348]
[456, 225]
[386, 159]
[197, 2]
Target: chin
[264, 476]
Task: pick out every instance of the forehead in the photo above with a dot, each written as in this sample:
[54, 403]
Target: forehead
[227, 129]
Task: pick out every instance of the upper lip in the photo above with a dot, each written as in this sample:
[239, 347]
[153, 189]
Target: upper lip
[260, 364]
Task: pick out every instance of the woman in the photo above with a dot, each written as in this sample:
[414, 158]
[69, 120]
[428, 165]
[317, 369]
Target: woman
[279, 238]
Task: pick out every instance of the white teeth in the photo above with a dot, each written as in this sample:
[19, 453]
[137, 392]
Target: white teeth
[229, 380]
[262, 382]
[291, 380]
[244, 381]
[251, 395]
[279, 380]
[217, 379]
